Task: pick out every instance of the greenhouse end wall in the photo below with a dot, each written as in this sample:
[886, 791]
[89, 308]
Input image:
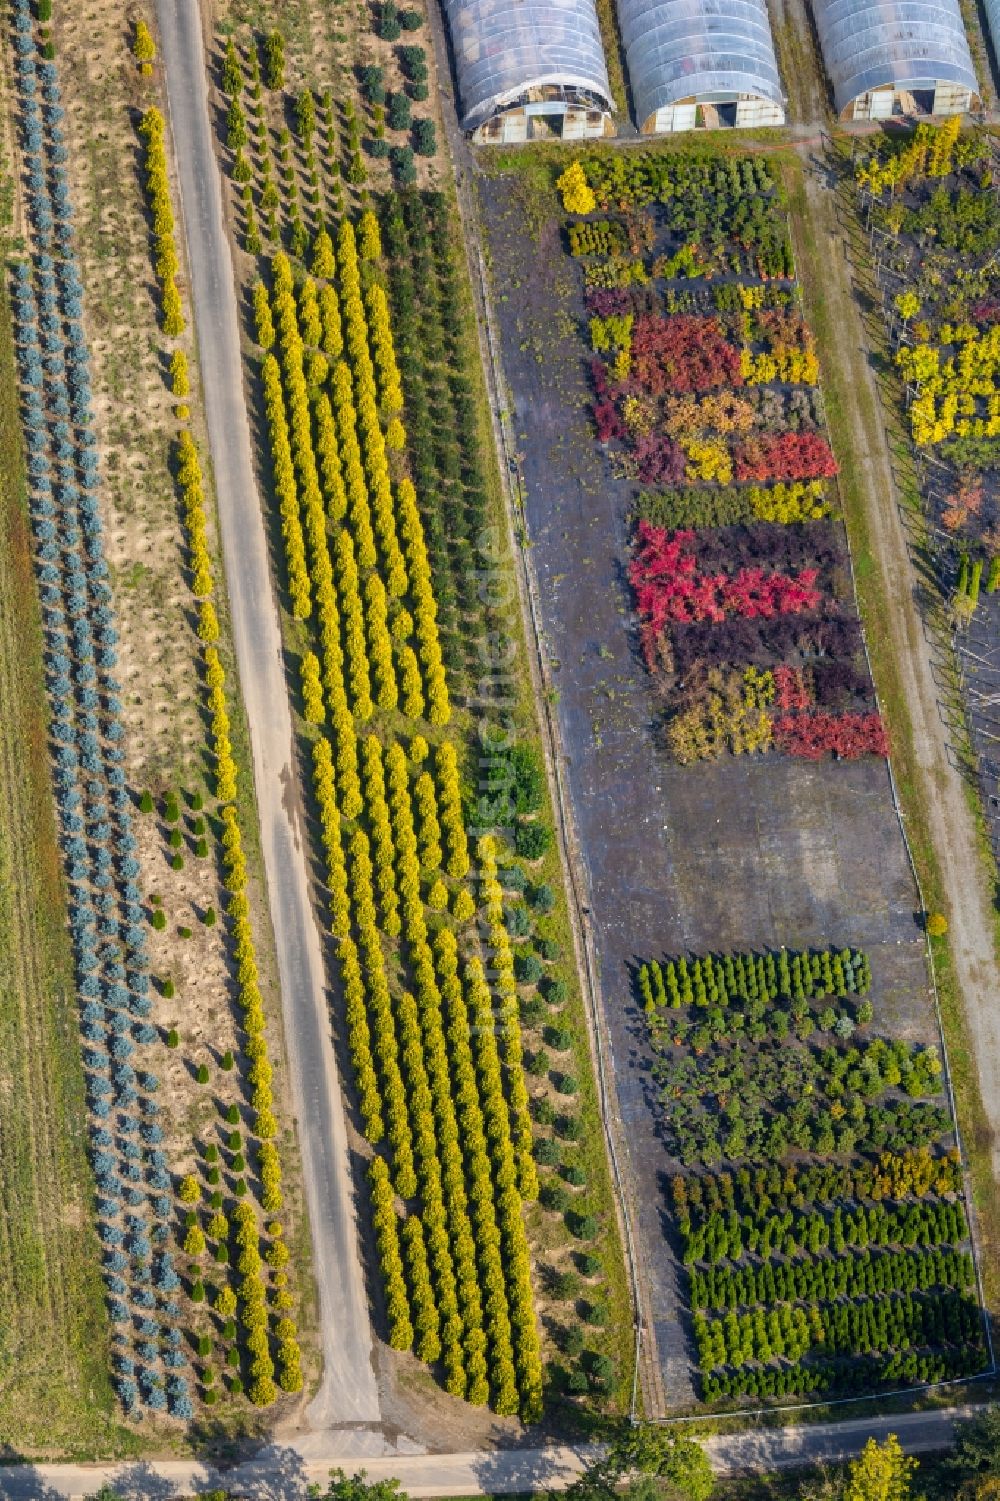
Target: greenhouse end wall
[542, 59]
[896, 57]
[694, 62]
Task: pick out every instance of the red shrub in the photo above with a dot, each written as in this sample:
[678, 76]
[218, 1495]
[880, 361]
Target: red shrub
[669, 586]
[607, 421]
[846, 735]
[791, 689]
[683, 353]
[784, 456]
[599, 377]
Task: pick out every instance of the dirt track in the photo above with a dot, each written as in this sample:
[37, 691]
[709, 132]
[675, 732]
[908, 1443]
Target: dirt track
[347, 1393]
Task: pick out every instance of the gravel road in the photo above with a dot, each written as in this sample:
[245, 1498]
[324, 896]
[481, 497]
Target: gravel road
[348, 1392]
[282, 1473]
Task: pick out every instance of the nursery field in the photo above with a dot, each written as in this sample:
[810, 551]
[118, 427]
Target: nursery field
[722, 742]
[182, 1108]
[50, 1293]
[486, 1215]
[791, 1155]
[929, 207]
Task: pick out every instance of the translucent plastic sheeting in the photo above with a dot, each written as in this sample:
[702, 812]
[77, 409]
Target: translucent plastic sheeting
[697, 49]
[870, 44]
[504, 48]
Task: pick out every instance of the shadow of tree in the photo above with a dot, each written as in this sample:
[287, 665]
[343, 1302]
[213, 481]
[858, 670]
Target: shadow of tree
[27, 1483]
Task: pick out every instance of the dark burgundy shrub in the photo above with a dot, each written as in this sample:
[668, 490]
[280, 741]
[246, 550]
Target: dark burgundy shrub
[660, 460]
[608, 302]
[839, 638]
[607, 421]
[781, 548]
[763, 643]
[837, 685]
[734, 641]
[598, 377]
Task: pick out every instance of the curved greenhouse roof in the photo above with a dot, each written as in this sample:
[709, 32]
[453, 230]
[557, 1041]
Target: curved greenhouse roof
[903, 44]
[692, 49]
[506, 48]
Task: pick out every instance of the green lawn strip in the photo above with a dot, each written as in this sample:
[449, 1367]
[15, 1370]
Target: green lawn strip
[876, 609]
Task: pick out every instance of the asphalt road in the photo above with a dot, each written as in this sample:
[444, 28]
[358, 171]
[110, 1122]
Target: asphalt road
[348, 1392]
[282, 1473]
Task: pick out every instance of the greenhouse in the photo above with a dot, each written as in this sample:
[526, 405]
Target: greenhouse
[695, 63]
[896, 57]
[528, 70]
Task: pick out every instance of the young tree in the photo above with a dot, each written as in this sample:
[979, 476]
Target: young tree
[388, 21]
[180, 384]
[402, 161]
[882, 1472]
[977, 1453]
[424, 137]
[907, 305]
[341, 1487]
[373, 83]
[232, 71]
[323, 262]
[144, 48]
[236, 126]
[305, 114]
[274, 60]
[398, 111]
[678, 1465]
